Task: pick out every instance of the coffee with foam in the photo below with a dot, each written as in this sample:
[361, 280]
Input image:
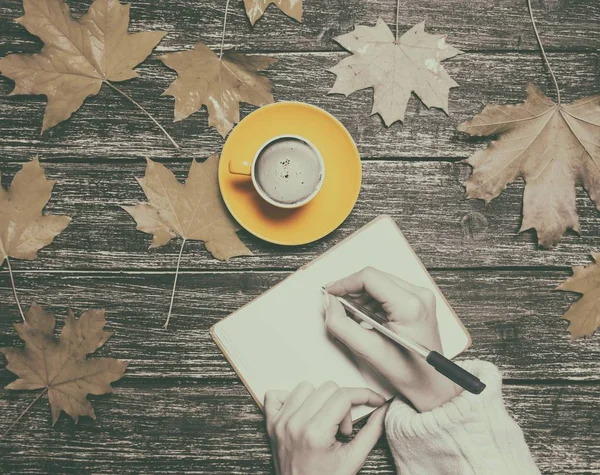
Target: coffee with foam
[288, 170]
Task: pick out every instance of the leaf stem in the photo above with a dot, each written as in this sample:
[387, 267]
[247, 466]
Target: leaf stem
[537, 35]
[24, 412]
[14, 289]
[128, 97]
[174, 286]
[397, 18]
[224, 26]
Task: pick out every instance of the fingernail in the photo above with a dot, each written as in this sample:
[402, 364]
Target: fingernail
[329, 284]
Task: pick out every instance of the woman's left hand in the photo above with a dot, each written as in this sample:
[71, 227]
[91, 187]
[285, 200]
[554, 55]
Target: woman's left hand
[303, 425]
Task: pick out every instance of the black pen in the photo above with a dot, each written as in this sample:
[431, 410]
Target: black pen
[442, 364]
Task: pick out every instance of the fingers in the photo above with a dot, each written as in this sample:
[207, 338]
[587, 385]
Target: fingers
[376, 283]
[280, 406]
[296, 398]
[383, 356]
[337, 407]
[362, 444]
[346, 425]
[401, 300]
[315, 401]
[362, 298]
[274, 401]
[426, 296]
[364, 343]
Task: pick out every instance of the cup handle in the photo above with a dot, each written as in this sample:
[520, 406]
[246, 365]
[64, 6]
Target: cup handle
[240, 167]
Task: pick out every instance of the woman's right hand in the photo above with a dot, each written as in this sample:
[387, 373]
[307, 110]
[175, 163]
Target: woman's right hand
[410, 311]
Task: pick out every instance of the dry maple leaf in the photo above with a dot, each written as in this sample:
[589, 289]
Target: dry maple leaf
[584, 315]
[193, 211]
[394, 69]
[60, 365]
[219, 84]
[78, 55]
[24, 230]
[256, 8]
[552, 147]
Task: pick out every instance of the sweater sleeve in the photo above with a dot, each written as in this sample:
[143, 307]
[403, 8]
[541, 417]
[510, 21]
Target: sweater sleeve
[469, 435]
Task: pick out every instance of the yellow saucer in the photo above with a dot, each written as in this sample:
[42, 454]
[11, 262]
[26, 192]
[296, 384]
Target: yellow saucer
[333, 203]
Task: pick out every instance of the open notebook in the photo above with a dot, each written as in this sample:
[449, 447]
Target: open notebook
[280, 338]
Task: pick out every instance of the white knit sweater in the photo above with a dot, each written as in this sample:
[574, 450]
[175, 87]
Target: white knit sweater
[471, 434]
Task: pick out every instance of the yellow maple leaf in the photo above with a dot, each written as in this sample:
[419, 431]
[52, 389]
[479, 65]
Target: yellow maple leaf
[24, 230]
[552, 147]
[584, 314]
[60, 365]
[78, 55]
[193, 211]
[218, 83]
[395, 68]
[256, 8]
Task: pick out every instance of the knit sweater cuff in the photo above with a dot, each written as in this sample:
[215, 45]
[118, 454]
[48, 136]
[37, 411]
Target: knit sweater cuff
[470, 434]
[403, 421]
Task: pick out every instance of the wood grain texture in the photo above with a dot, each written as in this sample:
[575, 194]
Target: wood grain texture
[513, 317]
[181, 408]
[425, 198]
[217, 429]
[476, 25]
[108, 127]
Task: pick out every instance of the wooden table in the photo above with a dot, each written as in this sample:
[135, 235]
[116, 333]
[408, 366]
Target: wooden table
[180, 406]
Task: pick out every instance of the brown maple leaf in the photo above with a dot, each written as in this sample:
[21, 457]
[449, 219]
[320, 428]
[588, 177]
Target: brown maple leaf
[394, 69]
[60, 365]
[78, 55]
[219, 84]
[24, 230]
[584, 315]
[193, 211]
[256, 8]
[552, 147]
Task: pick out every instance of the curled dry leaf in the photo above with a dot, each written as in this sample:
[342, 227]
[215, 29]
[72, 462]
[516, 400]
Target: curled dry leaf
[394, 69]
[60, 365]
[218, 83]
[256, 8]
[24, 230]
[78, 55]
[552, 147]
[193, 211]
[584, 315]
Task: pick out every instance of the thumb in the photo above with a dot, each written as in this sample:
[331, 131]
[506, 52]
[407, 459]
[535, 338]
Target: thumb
[362, 444]
[362, 342]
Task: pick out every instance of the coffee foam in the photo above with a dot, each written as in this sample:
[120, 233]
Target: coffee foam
[288, 170]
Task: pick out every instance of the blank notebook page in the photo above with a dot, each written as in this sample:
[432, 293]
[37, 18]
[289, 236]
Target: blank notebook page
[280, 338]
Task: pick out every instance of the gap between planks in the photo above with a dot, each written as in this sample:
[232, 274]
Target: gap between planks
[184, 160]
[259, 51]
[269, 270]
[176, 381]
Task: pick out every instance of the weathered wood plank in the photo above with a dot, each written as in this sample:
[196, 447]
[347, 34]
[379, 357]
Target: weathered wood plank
[483, 24]
[181, 407]
[217, 429]
[425, 198]
[513, 317]
[109, 127]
